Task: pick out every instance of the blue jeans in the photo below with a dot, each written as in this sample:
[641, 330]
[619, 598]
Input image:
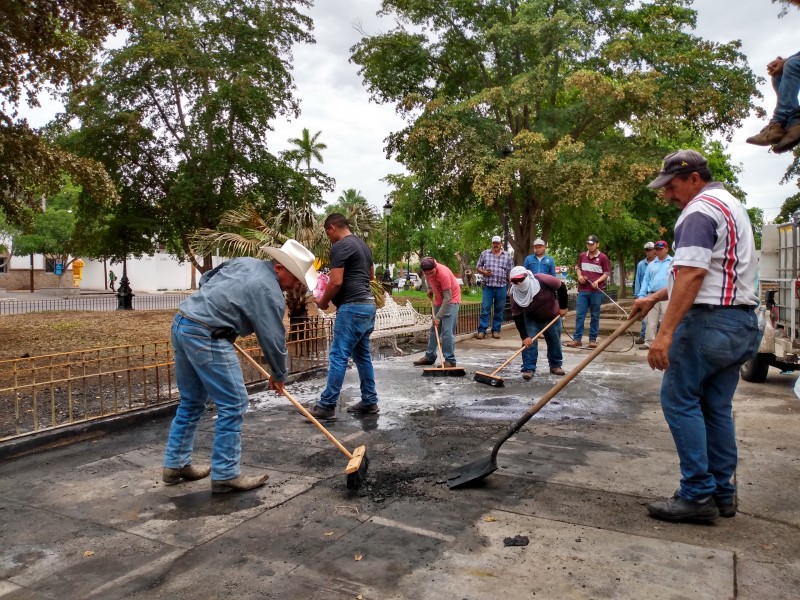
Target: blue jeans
[587, 301]
[354, 323]
[787, 86]
[555, 356]
[696, 392]
[447, 331]
[492, 296]
[206, 367]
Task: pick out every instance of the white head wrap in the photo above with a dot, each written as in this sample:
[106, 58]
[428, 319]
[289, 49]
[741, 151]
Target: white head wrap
[523, 292]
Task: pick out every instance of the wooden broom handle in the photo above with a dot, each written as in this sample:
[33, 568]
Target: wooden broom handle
[513, 356]
[297, 405]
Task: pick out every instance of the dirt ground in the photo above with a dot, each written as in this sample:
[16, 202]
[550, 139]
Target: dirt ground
[33, 334]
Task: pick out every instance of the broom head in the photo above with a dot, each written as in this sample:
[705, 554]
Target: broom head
[488, 379]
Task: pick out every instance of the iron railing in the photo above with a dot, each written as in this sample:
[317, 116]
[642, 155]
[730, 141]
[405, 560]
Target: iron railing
[104, 303]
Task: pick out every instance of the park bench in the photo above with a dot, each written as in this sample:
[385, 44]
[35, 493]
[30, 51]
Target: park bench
[394, 320]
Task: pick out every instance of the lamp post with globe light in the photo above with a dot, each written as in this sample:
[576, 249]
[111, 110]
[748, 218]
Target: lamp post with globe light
[387, 276]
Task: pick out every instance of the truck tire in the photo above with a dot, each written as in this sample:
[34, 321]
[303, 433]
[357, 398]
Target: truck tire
[755, 370]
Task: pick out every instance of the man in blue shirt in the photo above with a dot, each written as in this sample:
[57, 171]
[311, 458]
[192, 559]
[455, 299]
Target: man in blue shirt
[539, 262]
[237, 298]
[641, 268]
[655, 278]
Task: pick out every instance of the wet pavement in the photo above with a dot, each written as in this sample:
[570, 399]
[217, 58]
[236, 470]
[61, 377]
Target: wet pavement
[93, 520]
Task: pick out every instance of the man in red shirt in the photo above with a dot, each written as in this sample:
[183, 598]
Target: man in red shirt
[593, 269]
[446, 293]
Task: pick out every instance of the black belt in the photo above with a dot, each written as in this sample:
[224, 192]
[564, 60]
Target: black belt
[368, 301]
[747, 307]
[217, 333]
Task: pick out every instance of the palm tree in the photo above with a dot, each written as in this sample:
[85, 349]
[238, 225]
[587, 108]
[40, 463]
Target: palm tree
[307, 149]
[363, 217]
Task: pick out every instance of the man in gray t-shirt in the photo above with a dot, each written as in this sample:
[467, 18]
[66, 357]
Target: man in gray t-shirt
[349, 290]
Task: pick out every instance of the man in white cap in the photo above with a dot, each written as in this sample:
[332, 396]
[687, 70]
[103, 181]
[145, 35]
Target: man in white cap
[237, 298]
[641, 268]
[708, 331]
[494, 265]
[539, 262]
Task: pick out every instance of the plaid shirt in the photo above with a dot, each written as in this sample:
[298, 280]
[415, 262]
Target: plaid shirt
[499, 265]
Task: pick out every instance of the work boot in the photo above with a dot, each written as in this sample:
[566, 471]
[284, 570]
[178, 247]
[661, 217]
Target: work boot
[639, 341]
[573, 344]
[242, 483]
[788, 141]
[185, 473]
[480, 335]
[726, 509]
[422, 362]
[321, 413]
[678, 509]
[496, 335]
[644, 347]
[448, 365]
[362, 408]
[527, 375]
[592, 344]
[771, 134]
[557, 371]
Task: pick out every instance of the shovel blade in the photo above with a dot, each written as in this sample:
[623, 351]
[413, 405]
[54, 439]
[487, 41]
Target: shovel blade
[472, 472]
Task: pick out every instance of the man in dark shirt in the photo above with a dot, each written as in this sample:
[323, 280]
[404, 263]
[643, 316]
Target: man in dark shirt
[349, 290]
[536, 299]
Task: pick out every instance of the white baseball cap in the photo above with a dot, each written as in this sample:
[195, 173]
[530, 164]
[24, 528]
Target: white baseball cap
[539, 242]
[649, 246]
[497, 238]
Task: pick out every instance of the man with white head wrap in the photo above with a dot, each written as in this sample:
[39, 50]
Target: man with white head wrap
[535, 301]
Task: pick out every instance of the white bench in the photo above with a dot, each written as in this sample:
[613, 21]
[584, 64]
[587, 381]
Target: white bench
[394, 320]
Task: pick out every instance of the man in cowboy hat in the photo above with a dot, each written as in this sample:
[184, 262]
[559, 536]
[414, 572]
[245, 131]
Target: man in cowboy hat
[237, 298]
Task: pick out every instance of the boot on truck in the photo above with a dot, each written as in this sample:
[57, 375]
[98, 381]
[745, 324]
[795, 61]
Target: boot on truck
[779, 345]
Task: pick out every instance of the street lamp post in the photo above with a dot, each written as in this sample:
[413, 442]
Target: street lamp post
[387, 276]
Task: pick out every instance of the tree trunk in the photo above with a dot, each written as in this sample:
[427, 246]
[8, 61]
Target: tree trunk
[623, 288]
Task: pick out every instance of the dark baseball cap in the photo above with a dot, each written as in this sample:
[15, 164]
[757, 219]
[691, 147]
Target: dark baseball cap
[592, 239]
[427, 263]
[682, 161]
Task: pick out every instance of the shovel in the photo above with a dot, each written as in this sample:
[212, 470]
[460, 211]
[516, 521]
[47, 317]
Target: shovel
[479, 469]
[491, 378]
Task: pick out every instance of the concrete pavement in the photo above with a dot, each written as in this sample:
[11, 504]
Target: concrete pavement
[93, 520]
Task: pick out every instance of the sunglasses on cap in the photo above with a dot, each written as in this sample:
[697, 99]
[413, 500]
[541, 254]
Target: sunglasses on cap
[660, 246]
[519, 279]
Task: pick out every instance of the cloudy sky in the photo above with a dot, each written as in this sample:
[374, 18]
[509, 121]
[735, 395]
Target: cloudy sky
[334, 101]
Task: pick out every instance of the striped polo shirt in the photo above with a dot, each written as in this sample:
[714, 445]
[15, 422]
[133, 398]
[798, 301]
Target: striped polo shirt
[713, 232]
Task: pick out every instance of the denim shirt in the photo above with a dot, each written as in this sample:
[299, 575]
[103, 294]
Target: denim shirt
[656, 276]
[545, 265]
[244, 295]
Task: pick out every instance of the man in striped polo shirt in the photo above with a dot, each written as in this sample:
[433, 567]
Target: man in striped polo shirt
[708, 331]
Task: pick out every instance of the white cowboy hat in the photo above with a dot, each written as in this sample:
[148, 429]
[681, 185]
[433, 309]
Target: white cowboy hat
[297, 259]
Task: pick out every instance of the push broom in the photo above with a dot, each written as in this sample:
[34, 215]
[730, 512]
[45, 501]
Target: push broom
[441, 371]
[356, 469]
[492, 378]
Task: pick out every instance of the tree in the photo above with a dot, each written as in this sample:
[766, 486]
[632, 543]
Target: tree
[540, 109]
[308, 149]
[53, 231]
[179, 113]
[362, 216]
[45, 45]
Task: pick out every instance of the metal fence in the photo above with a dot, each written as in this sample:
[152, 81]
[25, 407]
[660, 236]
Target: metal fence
[103, 303]
[56, 390]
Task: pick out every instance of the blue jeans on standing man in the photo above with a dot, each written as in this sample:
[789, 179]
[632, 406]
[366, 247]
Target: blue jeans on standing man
[787, 86]
[354, 323]
[707, 349]
[587, 301]
[206, 367]
[447, 331]
[492, 296]
[552, 337]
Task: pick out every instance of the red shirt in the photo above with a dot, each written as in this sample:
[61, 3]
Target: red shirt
[440, 279]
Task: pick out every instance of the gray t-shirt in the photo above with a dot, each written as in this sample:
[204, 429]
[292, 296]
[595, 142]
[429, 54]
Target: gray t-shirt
[355, 257]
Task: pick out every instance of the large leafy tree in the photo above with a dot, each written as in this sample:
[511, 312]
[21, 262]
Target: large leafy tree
[45, 46]
[546, 109]
[180, 113]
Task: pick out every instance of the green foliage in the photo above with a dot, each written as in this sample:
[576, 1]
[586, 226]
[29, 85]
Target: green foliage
[554, 113]
[45, 45]
[178, 115]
